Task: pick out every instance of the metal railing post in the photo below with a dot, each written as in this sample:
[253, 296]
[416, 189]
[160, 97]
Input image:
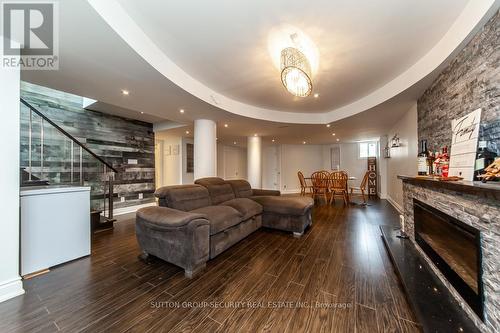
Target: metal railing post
[72, 159]
[30, 134]
[104, 191]
[41, 147]
[81, 166]
[110, 198]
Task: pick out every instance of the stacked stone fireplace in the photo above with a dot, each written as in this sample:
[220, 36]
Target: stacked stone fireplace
[478, 209]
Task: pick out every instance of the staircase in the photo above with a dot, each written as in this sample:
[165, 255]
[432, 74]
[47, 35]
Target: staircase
[52, 156]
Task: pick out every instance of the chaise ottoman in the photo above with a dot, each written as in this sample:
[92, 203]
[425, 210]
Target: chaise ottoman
[286, 213]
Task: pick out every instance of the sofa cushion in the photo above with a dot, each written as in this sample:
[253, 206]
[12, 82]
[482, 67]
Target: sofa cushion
[285, 205]
[219, 189]
[183, 197]
[241, 188]
[220, 217]
[164, 218]
[248, 208]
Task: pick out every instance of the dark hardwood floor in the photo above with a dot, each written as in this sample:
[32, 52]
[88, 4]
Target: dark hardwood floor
[337, 276]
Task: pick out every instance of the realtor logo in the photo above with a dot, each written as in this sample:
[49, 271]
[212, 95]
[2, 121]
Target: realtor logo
[30, 35]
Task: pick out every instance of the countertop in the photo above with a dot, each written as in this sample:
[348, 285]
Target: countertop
[50, 189]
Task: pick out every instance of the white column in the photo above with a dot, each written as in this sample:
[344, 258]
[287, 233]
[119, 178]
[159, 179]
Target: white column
[10, 281]
[254, 161]
[205, 148]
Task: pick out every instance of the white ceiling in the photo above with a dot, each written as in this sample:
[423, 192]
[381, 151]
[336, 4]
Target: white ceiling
[362, 45]
[96, 63]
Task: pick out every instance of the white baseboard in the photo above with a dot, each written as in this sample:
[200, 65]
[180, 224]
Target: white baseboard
[395, 205]
[381, 196]
[11, 289]
[130, 209]
[292, 191]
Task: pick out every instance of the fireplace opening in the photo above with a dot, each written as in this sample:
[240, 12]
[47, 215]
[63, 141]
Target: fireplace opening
[455, 248]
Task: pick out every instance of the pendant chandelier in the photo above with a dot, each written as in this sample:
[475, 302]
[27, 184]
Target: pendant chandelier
[296, 72]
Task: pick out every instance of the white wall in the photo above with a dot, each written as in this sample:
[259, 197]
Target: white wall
[294, 158]
[231, 162]
[10, 282]
[403, 160]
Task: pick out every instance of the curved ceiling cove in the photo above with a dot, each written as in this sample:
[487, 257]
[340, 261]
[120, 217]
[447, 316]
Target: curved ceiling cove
[224, 52]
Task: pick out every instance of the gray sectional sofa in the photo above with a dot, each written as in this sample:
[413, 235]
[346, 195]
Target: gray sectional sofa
[195, 223]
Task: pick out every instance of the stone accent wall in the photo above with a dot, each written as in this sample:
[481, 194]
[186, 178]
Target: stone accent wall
[481, 213]
[469, 82]
[115, 139]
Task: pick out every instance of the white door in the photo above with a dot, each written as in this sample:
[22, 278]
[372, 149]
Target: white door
[231, 163]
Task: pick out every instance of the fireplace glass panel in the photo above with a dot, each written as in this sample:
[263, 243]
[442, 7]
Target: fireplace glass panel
[455, 249]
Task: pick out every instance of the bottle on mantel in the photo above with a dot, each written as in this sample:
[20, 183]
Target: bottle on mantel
[437, 163]
[445, 162]
[422, 158]
[430, 163]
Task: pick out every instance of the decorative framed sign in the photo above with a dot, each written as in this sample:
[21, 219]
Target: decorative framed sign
[372, 176]
[465, 133]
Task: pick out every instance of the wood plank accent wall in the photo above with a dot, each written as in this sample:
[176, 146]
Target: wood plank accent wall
[115, 139]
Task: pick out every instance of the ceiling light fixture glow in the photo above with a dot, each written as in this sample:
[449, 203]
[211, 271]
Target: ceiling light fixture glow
[296, 72]
[316, 95]
[226, 125]
[181, 110]
[125, 92]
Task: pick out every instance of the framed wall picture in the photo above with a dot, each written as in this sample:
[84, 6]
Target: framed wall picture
[175, 149]
[189, 158]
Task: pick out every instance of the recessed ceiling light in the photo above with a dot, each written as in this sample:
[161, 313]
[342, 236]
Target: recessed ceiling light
[125, 92]
[272, 140]
[181, 110]
[303, 142]
[333, 134]
[226, 125]
[328, 125]
[255, 134]
[187, 132]
[316, 95]
[234, 142]
[142, 112]
[338, 140]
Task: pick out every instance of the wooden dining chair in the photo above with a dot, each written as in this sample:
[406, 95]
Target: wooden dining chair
[361, 189]
[304, 188]
[338, 186]
[319, 181]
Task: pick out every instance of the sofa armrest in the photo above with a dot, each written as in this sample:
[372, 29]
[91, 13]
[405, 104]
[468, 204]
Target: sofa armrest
[160, 218]
[179, 237]
[260, 192]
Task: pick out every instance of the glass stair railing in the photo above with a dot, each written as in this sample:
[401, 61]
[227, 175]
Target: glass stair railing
[52, 156]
